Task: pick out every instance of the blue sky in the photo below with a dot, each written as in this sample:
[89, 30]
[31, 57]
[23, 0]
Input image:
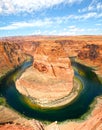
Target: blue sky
[50, 17]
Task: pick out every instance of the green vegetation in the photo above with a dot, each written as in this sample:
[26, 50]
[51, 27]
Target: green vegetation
[2, 101]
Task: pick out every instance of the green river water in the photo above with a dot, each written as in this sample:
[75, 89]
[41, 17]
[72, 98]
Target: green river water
[92, 88]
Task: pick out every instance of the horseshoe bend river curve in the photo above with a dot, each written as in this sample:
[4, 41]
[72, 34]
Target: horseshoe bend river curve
[92, 87]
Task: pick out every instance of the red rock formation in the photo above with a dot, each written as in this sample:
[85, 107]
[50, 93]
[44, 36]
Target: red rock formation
[52, 73]
[11, 56]
[51, 58]
[93, 122]
[51, 63]
[14, 127]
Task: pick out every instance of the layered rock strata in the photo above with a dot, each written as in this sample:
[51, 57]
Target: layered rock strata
[52, 72]
[11, 56]
[83, 47]
[10, 120]
[93, 122]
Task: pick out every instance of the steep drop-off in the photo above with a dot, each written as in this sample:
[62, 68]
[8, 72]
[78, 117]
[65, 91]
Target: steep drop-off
[51, 76]
[11, 56]
[51, 63]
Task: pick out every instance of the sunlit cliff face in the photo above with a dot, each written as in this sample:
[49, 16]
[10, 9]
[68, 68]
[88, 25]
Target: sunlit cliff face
[51, 59]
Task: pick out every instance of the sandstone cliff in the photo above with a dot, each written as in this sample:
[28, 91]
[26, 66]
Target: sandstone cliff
[11, 56]
[51, 68]
[51, 58]
[52, 73]
[93, 122]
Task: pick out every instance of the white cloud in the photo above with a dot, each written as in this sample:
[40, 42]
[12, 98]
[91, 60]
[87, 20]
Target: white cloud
[89, 15]
[37, 32]
[72, 30]
[16, 6]
[51, 22]
[71, 27]
[95, 5]
[24, 24]
[98, 24]
[99, 6]
[86, 16]
[0, 10]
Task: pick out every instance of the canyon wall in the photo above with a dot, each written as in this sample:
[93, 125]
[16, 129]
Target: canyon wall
[11, 56]
[51, 73]
[87, 49]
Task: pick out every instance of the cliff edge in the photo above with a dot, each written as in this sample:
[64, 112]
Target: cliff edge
[51, 72]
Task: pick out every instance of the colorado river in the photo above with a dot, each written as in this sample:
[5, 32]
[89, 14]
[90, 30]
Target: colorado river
[92, 88]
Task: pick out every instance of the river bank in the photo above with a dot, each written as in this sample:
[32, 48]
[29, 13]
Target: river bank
[56, 115]
[78, 104]
[9, 116]
[92, 122]
[37, 95]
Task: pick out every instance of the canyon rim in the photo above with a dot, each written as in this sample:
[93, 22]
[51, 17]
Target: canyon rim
[50, 77]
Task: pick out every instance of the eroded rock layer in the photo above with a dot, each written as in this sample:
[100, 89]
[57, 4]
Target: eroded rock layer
[51, 63]
[52, 73]
[11, 56]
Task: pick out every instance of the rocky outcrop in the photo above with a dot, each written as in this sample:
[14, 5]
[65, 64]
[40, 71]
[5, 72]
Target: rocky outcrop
[91, 55]
[93, 122]
[51, 58]
[52, 73]
[86, 49]
[52, 126]
[11, 56]
[14, 127]
[10, 120]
